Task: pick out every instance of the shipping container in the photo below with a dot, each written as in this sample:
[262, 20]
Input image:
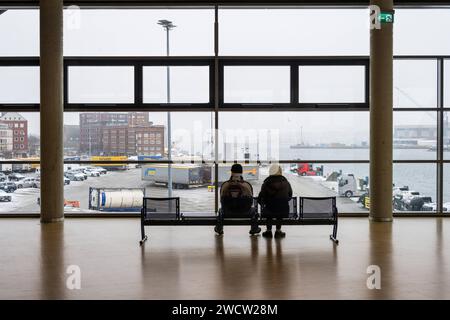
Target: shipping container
[116, 199]
[110, 166]
[187, 175]
[183, 175]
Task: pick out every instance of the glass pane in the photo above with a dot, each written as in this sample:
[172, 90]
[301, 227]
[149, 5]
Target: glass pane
[347, 182]
[19, 140]
[187, 84]
[292, 136]
[415, 83]
[257, 84]
[447, 83]
[101, 84]
[19, 31]
[282, 31]
[19, 84]
[446, 136]
[116, 190]
[135, 32]
[133, 134]
[446, 187]
[140, 136]
[331, 84]
[413, 38]
[414, 187]
[415, 135]
[19, 135]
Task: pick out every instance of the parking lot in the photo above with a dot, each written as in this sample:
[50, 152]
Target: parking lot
[197, 199]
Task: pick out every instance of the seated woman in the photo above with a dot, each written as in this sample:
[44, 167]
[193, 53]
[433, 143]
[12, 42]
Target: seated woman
[274, 198]
[236, 198]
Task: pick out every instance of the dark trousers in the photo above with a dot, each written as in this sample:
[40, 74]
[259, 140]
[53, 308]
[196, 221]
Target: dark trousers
[269, 223]
[253, 219]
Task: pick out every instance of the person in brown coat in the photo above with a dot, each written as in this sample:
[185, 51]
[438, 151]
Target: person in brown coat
[236, 199]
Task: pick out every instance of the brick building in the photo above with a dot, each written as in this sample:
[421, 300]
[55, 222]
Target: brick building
[6, 140]
[19, 127]
[120, 134]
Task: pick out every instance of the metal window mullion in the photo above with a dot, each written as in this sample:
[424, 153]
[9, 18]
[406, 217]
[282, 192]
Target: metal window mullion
[218, 97]
[65, 84]
[440, 137]
[138, 84]
[295, 98]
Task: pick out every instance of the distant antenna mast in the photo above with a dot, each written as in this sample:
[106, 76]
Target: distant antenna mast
[301, 135]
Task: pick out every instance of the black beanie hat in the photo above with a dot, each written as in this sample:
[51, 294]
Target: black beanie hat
[236, 168]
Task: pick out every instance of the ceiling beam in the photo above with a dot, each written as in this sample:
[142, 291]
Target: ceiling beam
[118, 3]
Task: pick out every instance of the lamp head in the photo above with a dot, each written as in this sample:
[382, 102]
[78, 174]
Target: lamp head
[166, 24]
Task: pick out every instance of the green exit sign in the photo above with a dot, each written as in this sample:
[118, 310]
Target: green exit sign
[386, 17]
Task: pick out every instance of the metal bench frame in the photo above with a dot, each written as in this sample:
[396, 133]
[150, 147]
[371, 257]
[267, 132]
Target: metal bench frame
[212, 220]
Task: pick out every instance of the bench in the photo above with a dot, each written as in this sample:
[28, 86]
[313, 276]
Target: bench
[303, 211]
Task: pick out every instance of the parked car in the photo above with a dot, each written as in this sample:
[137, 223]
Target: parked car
[72, 176]
[4, 197]
[26, 183]
[99, 169]
[3, 177]
[8, 186]
[16, 176]
[79, 171]
[92, 173]
[38, 181]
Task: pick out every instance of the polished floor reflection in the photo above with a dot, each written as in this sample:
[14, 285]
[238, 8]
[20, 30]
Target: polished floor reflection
[193, 263]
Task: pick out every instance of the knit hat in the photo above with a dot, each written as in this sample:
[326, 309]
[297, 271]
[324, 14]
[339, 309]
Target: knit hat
[236, 168]
[275, 170]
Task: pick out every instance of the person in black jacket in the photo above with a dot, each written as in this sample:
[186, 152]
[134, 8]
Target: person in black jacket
[274, 199]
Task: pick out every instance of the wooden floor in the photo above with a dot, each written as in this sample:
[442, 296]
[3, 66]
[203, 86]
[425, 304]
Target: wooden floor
[194, 263]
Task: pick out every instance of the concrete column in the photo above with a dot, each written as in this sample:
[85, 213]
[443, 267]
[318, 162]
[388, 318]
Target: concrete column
[381, 123]
[52, 113]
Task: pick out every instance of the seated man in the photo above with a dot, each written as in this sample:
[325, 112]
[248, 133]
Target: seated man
[236, 198]
[274, 199]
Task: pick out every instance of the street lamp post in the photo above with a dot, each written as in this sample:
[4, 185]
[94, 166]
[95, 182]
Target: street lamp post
[168, 25]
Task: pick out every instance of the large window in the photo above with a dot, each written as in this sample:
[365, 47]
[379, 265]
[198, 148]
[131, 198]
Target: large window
[301, 140]
[135, 32]
[293, 32]
[19, 161]
[256, 84]
[420, 31]
[415, 135]
[19, 31]
[101, 84]
[415, 83]
[19, 84]
[188, 84]
[332, 84]
[288, 85]
[120, 137]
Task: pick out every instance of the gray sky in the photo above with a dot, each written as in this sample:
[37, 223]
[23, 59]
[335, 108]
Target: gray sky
[242, 32]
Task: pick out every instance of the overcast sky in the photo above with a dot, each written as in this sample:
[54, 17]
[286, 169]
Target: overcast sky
[242, 32]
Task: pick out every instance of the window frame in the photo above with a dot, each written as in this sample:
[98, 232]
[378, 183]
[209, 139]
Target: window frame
[216, 105]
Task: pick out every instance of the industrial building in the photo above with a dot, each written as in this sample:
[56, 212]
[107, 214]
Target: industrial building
[118, 134]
